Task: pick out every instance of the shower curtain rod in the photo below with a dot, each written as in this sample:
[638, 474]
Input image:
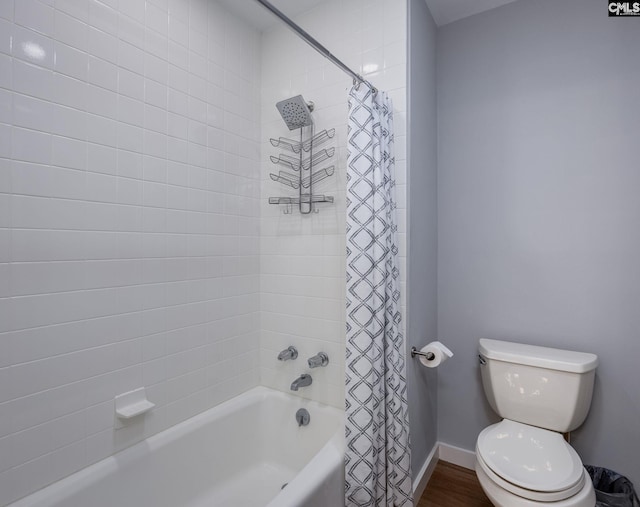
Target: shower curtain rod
[308, 38]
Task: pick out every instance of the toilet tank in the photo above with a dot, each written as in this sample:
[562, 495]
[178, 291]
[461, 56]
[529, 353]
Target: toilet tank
[541, 386]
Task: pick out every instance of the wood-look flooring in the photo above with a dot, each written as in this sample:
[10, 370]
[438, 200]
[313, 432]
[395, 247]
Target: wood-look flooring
[453, 486]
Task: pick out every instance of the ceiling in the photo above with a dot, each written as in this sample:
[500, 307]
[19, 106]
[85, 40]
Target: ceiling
[443, 11]
[447, 11]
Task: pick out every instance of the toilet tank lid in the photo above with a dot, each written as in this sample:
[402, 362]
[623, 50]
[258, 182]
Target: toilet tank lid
[542, 357]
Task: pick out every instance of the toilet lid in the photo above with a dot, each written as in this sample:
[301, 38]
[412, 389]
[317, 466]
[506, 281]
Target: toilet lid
[530, 457]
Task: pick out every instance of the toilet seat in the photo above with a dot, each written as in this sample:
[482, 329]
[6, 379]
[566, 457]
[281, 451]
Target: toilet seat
[530, 462]
[500, 497]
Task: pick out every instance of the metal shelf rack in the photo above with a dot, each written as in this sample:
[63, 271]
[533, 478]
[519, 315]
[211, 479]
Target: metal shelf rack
[304, 175]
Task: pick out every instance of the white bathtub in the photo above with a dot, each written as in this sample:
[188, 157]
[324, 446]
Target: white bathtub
[238, 454]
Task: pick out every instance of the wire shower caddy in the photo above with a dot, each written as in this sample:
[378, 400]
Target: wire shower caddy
[300, 171]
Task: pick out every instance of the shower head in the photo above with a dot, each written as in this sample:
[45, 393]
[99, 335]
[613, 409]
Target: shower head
[295, 112]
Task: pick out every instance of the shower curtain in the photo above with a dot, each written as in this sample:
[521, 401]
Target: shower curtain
[378, 461]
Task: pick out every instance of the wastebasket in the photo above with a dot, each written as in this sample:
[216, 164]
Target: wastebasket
[612, 489]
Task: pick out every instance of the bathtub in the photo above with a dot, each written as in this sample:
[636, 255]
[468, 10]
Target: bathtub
[238, 454]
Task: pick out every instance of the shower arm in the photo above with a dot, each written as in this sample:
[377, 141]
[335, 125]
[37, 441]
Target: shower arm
[309, 39]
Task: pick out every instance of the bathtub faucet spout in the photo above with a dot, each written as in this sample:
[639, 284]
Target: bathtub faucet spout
[303, 380]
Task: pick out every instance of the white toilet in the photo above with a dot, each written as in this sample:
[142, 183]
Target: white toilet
[541, 393]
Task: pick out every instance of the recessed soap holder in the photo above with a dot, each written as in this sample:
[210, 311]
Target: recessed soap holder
[131, 405]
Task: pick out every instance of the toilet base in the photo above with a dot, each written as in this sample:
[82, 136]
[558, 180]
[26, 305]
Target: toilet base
[500, 497]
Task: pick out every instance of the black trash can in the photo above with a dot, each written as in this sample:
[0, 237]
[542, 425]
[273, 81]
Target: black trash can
[612, 489]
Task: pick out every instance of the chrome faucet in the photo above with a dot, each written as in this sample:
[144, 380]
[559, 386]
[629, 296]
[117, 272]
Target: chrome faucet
[288, 353]
[303, 380]
[320, 359]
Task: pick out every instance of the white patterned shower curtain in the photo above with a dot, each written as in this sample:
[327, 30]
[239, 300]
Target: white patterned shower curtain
[378, 461]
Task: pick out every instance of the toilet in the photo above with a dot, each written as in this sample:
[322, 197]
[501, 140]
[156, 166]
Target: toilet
[541, 393]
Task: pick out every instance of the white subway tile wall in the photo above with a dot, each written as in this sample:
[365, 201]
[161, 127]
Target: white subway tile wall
[129, 223]
[302, 258]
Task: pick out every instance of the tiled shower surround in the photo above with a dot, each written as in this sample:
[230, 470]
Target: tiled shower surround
[136, 245]
[302, 258]
[129, 227]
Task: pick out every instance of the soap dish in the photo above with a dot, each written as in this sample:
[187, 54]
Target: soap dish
[132, 404]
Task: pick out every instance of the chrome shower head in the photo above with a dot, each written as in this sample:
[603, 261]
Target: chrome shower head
[295, 112]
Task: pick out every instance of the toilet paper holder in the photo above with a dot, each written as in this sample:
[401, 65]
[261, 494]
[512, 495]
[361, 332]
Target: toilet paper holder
[430, 356]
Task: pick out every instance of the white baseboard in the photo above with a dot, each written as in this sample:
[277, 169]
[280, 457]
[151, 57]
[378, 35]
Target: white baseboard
[445, 452]
[425, 472]
[457, 455]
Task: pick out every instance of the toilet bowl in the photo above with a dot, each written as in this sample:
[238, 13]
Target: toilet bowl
[524, 460]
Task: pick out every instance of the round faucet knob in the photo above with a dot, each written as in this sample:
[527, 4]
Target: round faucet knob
[320, 359]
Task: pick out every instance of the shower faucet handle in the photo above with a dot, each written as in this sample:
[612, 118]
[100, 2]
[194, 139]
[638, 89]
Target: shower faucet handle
[288, 353]
[320, 359]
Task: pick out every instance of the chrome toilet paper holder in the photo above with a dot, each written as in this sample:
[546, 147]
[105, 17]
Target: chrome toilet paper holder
[430, 356]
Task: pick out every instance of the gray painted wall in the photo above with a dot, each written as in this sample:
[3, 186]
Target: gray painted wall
[539, 207]
[422, 228]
